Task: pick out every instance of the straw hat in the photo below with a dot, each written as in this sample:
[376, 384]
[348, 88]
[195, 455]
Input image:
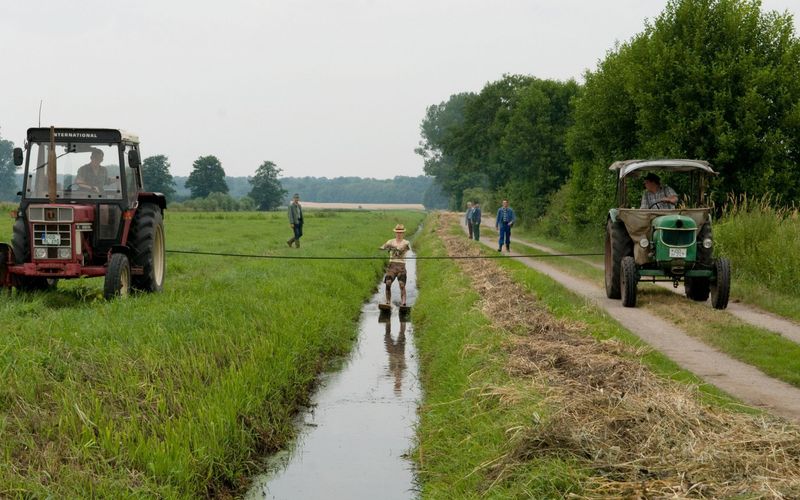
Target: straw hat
[399, 228]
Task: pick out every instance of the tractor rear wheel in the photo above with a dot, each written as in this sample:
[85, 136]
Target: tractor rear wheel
[629, 281]
[118, 277]
[721, 289]
[147, 241]
[618, 245]
[697, 288]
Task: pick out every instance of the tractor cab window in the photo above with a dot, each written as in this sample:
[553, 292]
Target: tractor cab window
[83, 171]
[131, 175]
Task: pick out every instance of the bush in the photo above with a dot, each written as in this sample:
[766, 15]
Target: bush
[762, 241]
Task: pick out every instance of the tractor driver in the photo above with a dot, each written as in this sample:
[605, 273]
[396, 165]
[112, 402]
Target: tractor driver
[93, 176]
[657, 196]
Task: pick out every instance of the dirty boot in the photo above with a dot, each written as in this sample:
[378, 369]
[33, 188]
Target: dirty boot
[290, 241]
[296, 243]
[508, 248]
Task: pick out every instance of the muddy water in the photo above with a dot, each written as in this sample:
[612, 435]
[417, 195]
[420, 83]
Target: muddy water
[361, 421]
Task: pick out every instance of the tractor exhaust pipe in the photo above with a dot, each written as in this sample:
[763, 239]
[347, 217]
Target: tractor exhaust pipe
[52, 185]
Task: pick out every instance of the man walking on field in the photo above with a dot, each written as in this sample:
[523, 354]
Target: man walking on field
[505, 219]
[295, 221]
[398, 248]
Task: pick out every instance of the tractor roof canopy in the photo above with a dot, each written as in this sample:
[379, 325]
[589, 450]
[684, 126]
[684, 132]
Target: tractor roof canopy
[88, 135]
[628, 167]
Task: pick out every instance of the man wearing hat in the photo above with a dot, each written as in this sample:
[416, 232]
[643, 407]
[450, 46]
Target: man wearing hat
[398, 248]
[657, 196]
[295, 220]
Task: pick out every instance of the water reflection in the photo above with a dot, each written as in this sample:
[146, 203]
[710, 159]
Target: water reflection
[397, 355]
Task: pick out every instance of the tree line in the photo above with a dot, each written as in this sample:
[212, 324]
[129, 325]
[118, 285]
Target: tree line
[707, 79]
[208, 188]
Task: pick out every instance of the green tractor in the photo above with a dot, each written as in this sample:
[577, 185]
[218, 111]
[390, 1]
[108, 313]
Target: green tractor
[668, 238]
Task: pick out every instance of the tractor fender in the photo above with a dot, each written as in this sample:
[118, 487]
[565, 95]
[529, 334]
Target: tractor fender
[154, 198]
[612, 215]
[120, 249]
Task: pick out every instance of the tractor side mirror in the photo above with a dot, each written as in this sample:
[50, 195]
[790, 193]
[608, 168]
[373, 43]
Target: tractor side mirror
[18, 156]
[133, 159]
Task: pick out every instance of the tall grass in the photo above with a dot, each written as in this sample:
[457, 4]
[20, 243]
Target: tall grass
[762, 241]
[177, 394]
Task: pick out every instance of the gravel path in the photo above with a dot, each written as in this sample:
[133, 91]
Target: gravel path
[746, 313]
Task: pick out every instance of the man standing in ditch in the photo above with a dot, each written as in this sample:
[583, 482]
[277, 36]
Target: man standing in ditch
[398, 248]
[295, 221]
[505, 219]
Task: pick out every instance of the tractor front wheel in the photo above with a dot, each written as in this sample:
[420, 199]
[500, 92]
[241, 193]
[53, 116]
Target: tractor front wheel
[697, 288]
[147, 241]
[721, 288]
[118, 277]
[629, 281]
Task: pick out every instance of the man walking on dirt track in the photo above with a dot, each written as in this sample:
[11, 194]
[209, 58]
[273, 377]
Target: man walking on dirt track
[468, 218]
[475, 221]
[398, 248]
[505, 219]
[295, 220]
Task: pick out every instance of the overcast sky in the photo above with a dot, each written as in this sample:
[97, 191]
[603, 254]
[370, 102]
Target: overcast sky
[322, 88]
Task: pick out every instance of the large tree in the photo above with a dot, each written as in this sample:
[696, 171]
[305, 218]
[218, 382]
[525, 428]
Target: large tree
[709, 79]
[8, 179]
[267, 190]
[207, 177]
[155, 171]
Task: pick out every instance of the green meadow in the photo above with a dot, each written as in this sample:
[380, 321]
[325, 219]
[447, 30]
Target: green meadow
[179, 394]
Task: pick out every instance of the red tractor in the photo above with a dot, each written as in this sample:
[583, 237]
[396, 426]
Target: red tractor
[84, 212]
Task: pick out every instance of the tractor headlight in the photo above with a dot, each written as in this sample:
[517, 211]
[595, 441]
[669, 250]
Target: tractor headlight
[40, 253]
[707, 243]
[64, 253]
[644, 243]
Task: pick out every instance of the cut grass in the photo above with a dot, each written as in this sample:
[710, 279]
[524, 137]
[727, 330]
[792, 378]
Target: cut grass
[177, 394]
[464, 423]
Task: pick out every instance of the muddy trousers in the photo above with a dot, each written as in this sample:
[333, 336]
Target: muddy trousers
[476, 230]
[505, 237]
[298, 232]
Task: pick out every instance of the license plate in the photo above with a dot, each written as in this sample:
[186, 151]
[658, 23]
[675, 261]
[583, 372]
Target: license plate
[51, 239]
[678, 253]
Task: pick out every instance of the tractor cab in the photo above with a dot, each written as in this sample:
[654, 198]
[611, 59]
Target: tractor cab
[654, 239]
[83, 202]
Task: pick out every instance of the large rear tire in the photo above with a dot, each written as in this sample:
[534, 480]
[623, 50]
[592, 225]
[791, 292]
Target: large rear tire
[618, 245]
[721, 289]
[147, 241]
[118, 277]
[629, 281]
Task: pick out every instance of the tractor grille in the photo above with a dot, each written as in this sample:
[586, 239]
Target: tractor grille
[677, 237]
[39, 213]
[51, 238]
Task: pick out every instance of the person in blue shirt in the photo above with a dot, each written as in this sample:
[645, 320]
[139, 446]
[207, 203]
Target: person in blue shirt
[475, 221]
[468, 218]
[505, 219]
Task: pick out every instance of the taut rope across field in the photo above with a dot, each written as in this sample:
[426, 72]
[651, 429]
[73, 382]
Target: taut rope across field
[375, 257]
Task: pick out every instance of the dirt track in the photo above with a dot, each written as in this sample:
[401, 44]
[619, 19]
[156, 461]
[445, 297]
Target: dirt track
[748, 314]
[736, 378]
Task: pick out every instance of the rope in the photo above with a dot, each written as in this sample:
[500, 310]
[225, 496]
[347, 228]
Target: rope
[370, 257]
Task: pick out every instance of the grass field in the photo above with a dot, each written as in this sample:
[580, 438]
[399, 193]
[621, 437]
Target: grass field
[178, 394]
